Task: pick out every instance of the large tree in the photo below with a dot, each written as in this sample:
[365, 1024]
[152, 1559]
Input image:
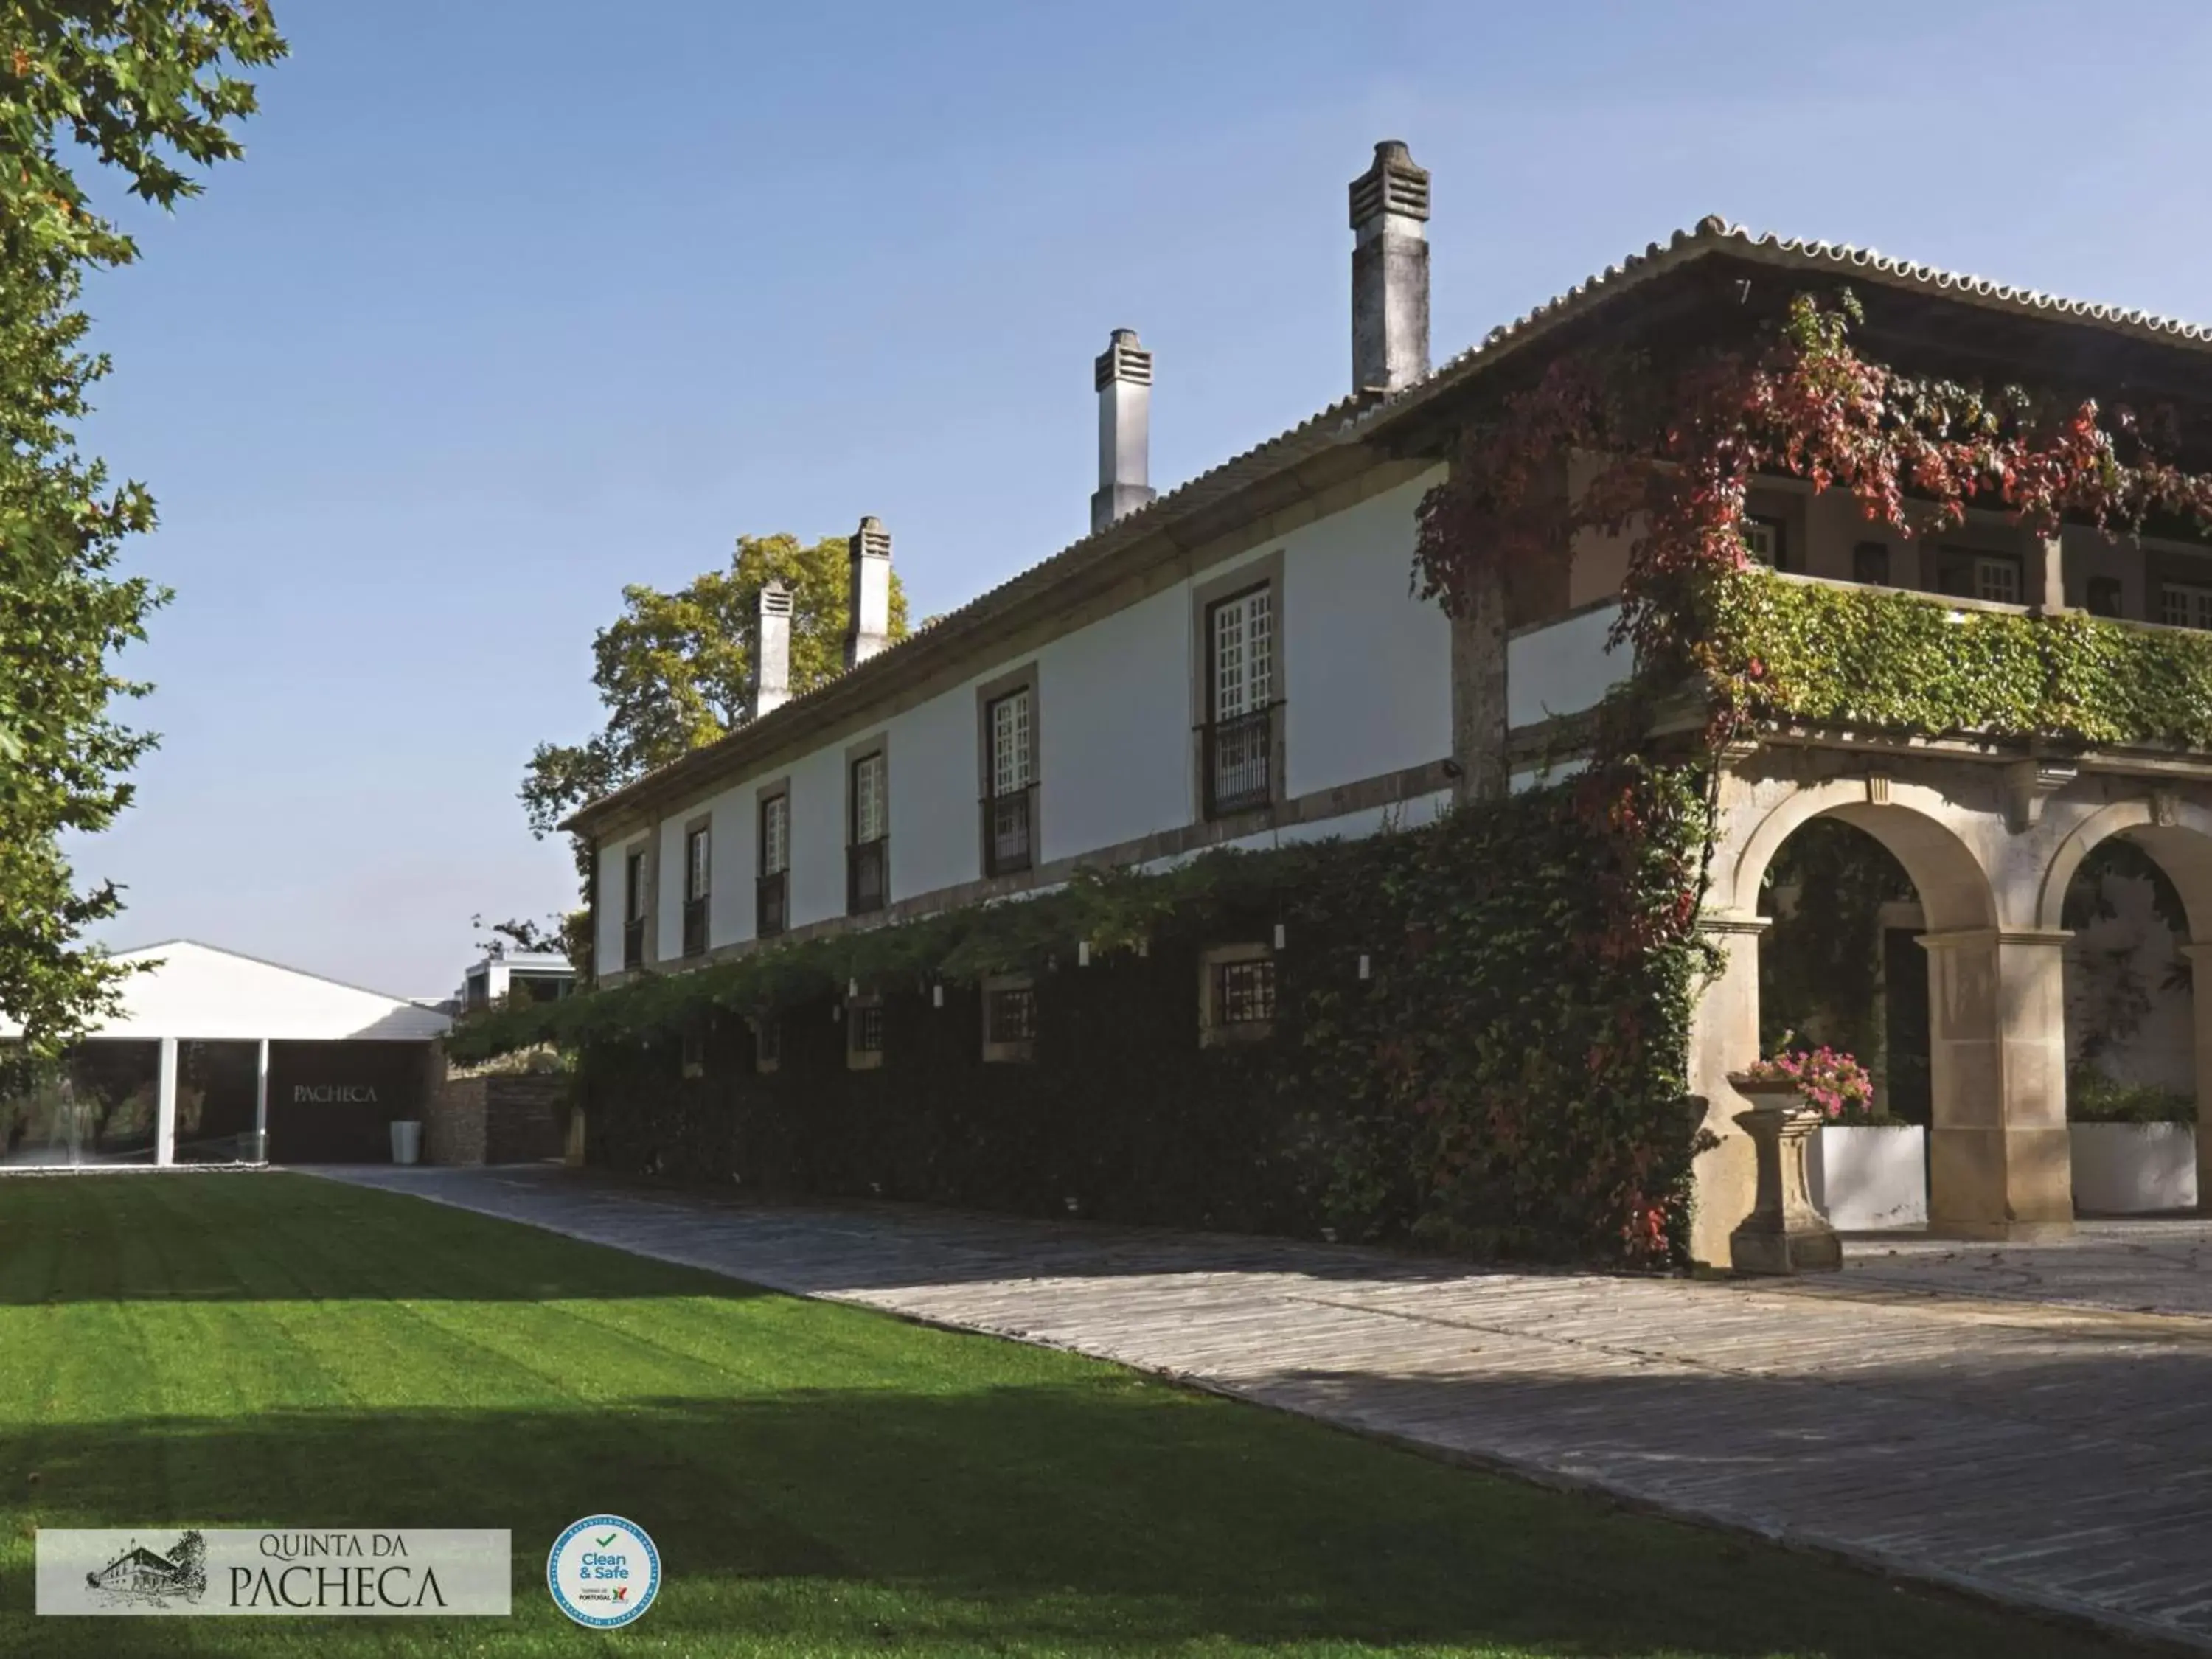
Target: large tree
[675, 670]
[146, 87]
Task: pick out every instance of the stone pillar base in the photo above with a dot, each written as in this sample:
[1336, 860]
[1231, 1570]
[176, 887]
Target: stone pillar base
[1807, 1250]
[1783, 1233]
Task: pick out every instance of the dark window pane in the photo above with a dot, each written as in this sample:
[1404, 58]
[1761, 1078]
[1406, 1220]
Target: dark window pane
[1013, 1014]
[1243, 992]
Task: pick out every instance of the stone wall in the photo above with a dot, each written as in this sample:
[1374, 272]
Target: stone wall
[496, 1120]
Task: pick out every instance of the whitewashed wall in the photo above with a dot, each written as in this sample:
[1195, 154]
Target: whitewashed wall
[1367, 676]
[1563, 667]
[614, 859]
[1370, 679]
[1114, 697]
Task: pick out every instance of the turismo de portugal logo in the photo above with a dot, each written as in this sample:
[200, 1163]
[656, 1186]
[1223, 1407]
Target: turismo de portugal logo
[604, 1572]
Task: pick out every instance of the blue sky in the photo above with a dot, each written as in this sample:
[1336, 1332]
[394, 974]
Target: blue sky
[511, 304]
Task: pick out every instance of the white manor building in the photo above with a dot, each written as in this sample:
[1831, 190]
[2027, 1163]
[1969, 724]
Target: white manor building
[1241, 662]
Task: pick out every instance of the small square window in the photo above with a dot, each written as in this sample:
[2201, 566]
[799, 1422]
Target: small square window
[1245, 992]
[1237, 994]
[1870, 563]
[2105, 596]
[1010, 1019]
[864, 1034]
[1766, 540]
[1013, 1014]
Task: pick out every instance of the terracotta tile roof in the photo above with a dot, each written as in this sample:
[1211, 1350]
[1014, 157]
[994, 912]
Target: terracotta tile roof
[1360, 419]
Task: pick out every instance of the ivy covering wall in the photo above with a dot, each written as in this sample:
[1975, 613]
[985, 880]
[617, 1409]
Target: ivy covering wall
[1879, 660]
[1506, 1080]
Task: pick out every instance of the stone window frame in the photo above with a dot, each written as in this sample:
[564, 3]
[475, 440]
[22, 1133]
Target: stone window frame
[858, 1059]
[1266, 571]
[1020, 1050]
[1211, 1032]
[988, 694]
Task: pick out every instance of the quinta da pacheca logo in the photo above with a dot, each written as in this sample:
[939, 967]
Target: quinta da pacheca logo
[336, 1572]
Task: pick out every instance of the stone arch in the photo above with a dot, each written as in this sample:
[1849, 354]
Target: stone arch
[1955, 890]
[2177, 834]
[1998, 1162]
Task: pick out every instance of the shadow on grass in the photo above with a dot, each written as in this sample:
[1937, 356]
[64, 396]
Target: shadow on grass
[266, 1236]
[1105, 1514]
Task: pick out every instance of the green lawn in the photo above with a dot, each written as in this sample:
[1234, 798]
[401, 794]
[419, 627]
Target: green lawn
[251, 1350]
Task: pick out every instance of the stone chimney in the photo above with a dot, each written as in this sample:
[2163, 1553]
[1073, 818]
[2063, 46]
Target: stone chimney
[772, 648]
[868, 597]
[1390, 271]
[1124, 376]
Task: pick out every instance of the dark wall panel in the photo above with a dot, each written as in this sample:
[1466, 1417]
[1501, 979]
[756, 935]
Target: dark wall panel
[333, 1102]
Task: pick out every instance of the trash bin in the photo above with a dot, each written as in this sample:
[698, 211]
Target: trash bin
[406, 1141]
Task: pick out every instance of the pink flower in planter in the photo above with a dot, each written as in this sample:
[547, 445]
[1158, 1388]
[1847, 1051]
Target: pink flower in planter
[1828, 1079]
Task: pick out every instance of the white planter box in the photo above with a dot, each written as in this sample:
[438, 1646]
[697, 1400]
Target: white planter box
[2129, 1169]
[1865, 1178]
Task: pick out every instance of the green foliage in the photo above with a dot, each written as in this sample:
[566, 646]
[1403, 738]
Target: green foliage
[1875, 659]
[674, 671]
[1507, 1079]
[144, 85]
[2094, 1097]
[1819, 966]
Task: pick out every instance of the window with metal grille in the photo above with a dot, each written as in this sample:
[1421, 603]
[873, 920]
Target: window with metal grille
[1009, 1014]
[1010, 743]
[1244, 632]
[2182, 606]
[867, 1027]
[871, 810]
[867, 858]
[1007, 832]
[1240, 733]
[1243, 992]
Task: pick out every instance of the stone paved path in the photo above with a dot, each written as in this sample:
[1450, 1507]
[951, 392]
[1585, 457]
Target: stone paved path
[2033, 1423]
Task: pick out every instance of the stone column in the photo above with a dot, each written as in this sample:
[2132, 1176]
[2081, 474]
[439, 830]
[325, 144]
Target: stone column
[1725, 1038]
[1999, 1162]
[2200, 973]
[2046, 576]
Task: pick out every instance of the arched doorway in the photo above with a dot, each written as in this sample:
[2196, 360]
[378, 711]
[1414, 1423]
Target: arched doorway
[2135, 880]
[1998, 1162]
